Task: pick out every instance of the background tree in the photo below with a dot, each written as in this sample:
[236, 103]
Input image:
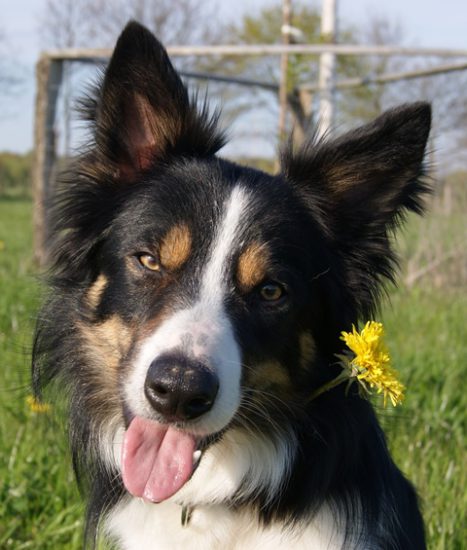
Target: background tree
[264, 27]
[10, 74]
[446, 93]
[97, 23]
[65, 24]
[363, 103]
[15, 175]
[173, 21]
[3, 72]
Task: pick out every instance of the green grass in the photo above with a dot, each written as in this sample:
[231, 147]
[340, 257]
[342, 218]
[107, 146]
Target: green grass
[39, 504]
[427, 333]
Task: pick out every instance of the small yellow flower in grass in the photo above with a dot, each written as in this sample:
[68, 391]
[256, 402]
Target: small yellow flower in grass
[371, 365]
[36, 406]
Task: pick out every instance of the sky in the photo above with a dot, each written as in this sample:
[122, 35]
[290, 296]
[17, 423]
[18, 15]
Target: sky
[425, 23]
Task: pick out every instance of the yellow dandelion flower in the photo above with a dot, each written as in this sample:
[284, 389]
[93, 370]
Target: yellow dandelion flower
[36, 406]
[371, 365]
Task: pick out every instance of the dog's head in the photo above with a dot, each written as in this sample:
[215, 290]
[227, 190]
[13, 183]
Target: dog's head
[207, 298]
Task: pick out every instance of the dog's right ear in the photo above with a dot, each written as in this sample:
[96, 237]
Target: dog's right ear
[143, 113]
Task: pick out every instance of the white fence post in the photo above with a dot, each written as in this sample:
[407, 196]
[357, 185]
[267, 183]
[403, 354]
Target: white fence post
[327, 68]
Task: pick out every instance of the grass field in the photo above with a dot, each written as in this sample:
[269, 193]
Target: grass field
[427, 333]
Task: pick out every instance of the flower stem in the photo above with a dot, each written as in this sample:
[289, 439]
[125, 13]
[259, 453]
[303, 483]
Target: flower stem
[342, 377]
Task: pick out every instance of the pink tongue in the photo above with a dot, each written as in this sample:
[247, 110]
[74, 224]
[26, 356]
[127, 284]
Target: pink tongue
[157, 460]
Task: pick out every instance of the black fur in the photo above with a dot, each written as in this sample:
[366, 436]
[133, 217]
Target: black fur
[329, 214]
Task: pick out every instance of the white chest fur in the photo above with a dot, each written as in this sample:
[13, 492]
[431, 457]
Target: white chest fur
[138, 525]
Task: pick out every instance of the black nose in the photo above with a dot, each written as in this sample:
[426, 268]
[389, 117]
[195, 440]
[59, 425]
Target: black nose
[180, 388]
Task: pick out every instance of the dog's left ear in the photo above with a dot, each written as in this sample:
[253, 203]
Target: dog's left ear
[358, 187]
[143, 113]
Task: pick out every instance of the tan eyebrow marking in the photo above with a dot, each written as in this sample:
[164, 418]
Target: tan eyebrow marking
[176, 247]
[252, 266]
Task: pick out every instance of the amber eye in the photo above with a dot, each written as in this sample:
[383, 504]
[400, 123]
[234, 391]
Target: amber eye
[272, 292]
[149, 262]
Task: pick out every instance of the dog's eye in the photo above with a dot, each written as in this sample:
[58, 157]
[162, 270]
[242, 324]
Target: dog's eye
[149, 262]
[271, 292]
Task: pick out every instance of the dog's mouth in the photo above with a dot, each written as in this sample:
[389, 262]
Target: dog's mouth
[158, 459]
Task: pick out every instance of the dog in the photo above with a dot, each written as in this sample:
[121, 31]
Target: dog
[195, 307]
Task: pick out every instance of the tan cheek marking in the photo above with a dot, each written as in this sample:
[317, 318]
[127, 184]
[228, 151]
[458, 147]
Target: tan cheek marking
[176, 247]
[94, 294]
[252, 266]
[270, 375]
[106, 343]
[307, 349]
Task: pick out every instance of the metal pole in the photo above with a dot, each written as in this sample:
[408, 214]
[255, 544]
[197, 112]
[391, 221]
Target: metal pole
[327, 67]
[286, 11]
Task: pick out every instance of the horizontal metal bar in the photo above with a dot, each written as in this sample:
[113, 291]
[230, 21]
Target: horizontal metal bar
[103, 54]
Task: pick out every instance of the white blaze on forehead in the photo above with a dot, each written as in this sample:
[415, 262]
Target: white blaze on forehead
[214, 278]
[203, 331]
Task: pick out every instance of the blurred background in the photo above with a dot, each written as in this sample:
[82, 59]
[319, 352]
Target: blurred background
[407, 51]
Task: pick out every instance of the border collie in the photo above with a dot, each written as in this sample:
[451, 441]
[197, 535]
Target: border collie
[196, 305]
